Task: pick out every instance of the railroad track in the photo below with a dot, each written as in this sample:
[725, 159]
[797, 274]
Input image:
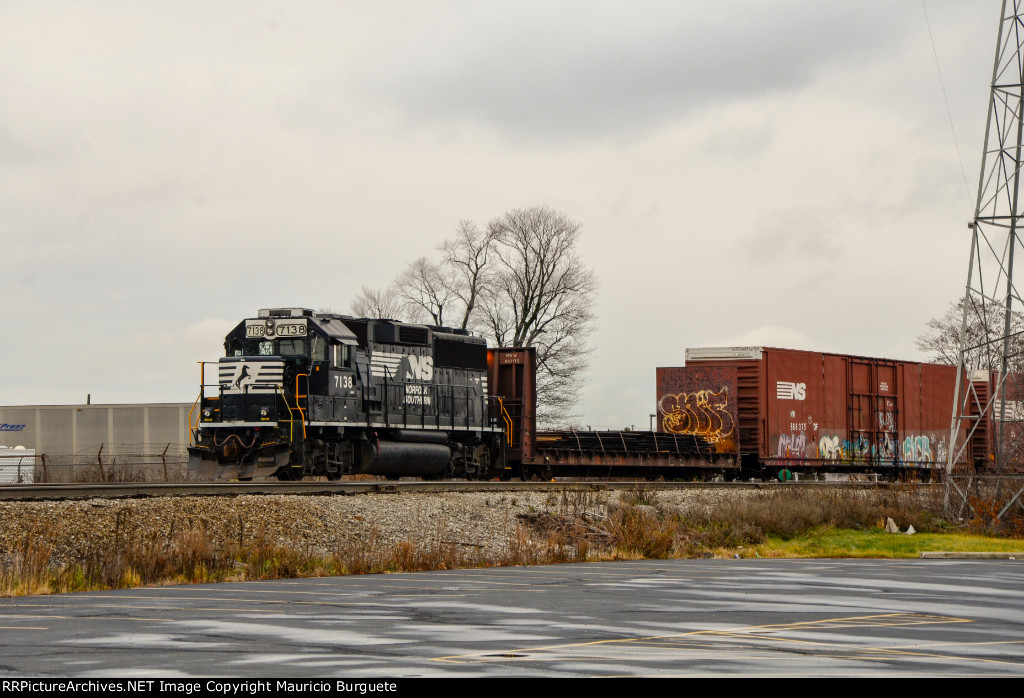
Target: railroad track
[119, 490]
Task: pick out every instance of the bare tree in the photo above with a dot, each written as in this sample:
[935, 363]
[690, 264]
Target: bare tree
[467, 257]
[425, 291]
[542, 295]
[519, 283]
[374, 303]
[983, 333]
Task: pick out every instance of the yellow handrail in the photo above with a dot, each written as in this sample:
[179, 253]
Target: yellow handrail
[202, 382]
[297, 405]
[191, 429]
[291, 417]
[508, 421]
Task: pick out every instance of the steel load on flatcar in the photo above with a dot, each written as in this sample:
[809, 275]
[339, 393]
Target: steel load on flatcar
[300, 393]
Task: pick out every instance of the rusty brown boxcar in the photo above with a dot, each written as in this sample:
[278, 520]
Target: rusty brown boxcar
[783, 409]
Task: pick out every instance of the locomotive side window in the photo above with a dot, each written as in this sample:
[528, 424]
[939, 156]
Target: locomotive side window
[318, 351]
[341, 356]
[234, 347]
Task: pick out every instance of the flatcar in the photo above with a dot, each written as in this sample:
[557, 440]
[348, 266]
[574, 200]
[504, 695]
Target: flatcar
[301, 393]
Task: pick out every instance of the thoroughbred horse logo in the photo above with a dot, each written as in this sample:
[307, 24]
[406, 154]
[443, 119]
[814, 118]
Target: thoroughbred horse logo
[242, 375]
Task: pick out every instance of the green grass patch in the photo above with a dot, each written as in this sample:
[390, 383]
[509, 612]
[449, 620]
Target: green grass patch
[830, 542]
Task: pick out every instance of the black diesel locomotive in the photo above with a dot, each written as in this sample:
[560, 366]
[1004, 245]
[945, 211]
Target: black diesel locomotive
[300, 393]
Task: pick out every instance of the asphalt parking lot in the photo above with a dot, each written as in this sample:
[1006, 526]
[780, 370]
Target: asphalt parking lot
[644, 618]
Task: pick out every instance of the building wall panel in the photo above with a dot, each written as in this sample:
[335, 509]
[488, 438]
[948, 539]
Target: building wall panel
[81, 429]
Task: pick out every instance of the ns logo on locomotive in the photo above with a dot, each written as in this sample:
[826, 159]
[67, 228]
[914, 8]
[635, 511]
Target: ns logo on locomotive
[300, 394]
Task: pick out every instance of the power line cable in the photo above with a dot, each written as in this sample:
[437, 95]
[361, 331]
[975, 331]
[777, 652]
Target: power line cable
[949, 113]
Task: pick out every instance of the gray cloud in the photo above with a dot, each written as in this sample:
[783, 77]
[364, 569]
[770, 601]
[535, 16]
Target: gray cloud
[575, 69]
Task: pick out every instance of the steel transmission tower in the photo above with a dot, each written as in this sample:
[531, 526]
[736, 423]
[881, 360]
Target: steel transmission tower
[986, 397]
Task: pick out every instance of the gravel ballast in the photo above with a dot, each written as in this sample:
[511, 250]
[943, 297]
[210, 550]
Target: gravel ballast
[319, 524]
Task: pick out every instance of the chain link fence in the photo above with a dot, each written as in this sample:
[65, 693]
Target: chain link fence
[111, 463]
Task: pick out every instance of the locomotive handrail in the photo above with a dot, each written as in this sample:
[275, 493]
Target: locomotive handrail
[508, 420]
[191, 429]
[291, 415]
[302, 416]
[199, 399]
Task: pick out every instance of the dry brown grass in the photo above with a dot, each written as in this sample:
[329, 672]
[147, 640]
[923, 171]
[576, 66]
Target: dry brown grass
[575, 526]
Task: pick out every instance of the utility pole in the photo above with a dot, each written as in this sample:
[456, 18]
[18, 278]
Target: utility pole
[987, 399]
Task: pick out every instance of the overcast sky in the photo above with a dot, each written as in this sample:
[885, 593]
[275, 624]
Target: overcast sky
[745, 172]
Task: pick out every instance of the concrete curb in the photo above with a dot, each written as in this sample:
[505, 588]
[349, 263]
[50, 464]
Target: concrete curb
[972, 556]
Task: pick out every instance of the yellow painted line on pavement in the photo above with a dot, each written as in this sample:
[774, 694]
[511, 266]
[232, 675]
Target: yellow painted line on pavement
[747, 633]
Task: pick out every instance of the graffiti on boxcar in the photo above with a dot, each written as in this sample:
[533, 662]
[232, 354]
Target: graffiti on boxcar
[792, 446]
[701, 413]
[913, 449]
[836, 449]
[917, 449]
[886, 420]
[856, 450]
[829, 448]
[887, 447]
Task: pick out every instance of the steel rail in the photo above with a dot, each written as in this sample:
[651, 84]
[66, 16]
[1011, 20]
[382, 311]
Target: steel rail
[324, 487]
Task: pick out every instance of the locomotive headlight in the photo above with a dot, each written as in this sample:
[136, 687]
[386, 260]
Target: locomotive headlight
[264, 411]
[207, 412]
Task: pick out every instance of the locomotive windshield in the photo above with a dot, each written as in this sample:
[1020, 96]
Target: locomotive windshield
[267, 347]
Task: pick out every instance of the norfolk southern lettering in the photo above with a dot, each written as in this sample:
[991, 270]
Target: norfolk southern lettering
[303, 394]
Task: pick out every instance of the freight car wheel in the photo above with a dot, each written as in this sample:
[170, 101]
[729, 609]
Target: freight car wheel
[540, 472]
